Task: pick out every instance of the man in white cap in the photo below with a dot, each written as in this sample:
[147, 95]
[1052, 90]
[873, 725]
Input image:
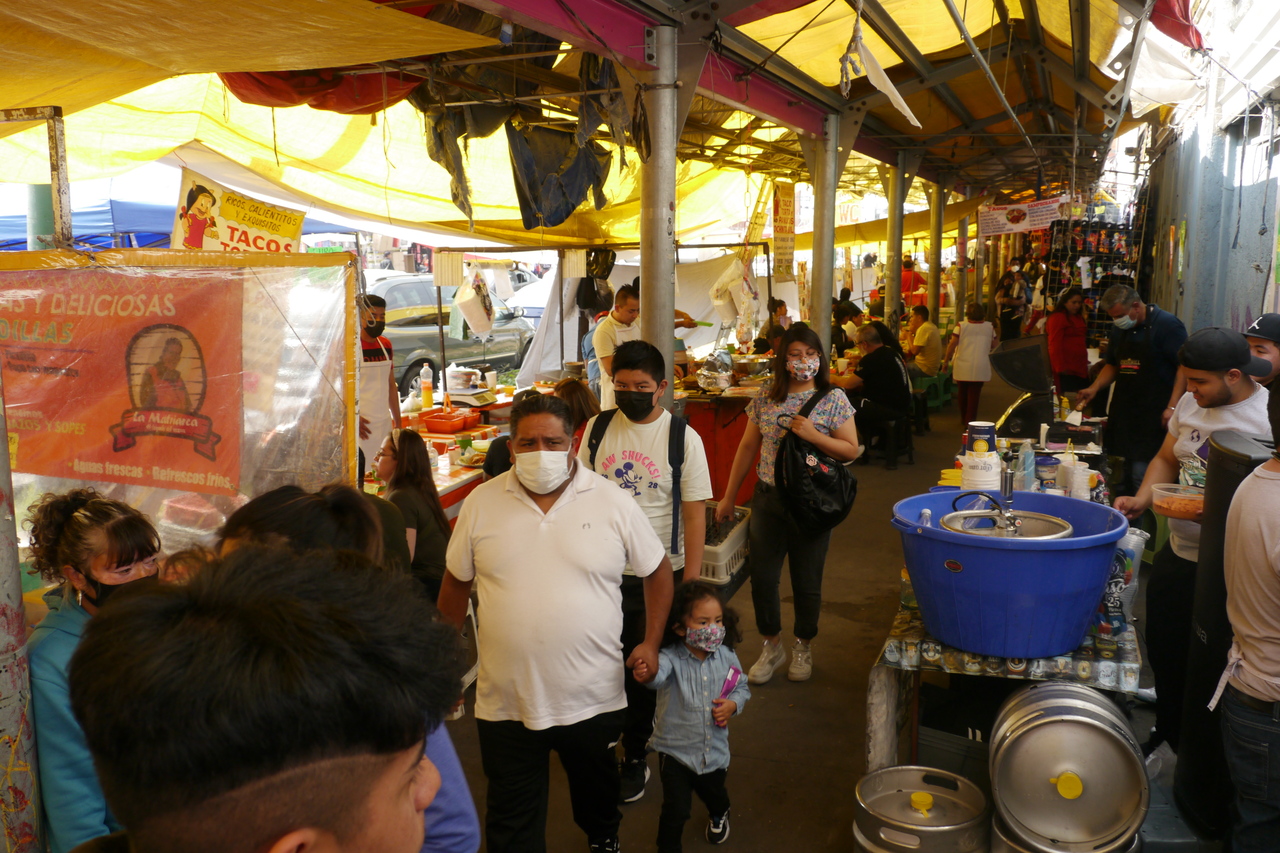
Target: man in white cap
[1221, 395]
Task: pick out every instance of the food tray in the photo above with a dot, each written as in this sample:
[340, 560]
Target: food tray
[720, 562]
[1174, 501]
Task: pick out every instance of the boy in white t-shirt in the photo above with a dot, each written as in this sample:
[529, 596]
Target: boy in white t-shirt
[1221, 395]
[633, 453]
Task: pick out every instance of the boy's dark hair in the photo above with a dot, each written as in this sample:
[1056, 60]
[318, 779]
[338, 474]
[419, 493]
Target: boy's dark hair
[846, 294]
[921, 311]
[625, 293]
[908, 264]
[682, 601]
[541, 404]
[846, 311]
[368, 301]
[642, 356]
[266, 694]
[337, 516]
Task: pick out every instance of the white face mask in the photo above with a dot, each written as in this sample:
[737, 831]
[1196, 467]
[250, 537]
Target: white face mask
[542, 471]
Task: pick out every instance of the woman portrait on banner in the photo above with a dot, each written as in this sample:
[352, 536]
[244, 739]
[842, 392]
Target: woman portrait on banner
[90, 546]
[162, 385]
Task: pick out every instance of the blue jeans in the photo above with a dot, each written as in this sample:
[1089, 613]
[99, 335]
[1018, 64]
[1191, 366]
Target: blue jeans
[1251, 742]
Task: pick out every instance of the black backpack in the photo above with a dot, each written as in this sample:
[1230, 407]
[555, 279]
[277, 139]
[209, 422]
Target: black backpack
[818, 491]
[675, 458]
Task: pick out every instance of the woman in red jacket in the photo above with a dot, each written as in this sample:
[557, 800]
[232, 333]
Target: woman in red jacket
[1068, 349]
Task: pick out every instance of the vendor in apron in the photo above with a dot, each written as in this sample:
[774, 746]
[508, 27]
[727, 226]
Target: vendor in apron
[378, 398]
[1142, 361]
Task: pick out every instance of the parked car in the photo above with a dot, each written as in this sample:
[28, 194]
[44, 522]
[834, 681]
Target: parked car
[414, 332]
[533, 299]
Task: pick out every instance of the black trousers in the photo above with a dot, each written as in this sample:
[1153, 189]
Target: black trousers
[1171, 596]
[515, 761]
[679, 784]
[641, 701]
[775, 537]
[871, 417]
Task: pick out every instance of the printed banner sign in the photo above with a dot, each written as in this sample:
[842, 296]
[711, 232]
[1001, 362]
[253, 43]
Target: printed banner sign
[784, 231]
[125, 378]
[1016, 218]
[211, 216]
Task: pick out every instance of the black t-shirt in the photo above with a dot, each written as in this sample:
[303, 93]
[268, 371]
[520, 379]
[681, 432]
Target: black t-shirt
[431, 541]
[884, 379]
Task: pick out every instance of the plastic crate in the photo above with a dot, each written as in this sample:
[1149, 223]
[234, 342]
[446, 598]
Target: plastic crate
[721, 562]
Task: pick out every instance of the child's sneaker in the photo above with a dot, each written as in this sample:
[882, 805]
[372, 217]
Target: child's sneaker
[801, 661]
[718, 829]
[771, 659]
[635, 775]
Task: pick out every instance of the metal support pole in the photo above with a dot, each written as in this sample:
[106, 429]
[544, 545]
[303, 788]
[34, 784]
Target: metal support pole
[962, 266]
[937, 207]
[658, 204]
[822, 278]
[19, 799]
[893, 245]
[979, 268]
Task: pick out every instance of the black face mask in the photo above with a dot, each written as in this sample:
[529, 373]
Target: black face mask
[374, 329]
[636, 405]
[103, 591]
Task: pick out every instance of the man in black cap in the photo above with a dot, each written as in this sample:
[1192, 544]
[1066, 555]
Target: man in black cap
[1142, 361]
[1221, 395]
[1263, 336]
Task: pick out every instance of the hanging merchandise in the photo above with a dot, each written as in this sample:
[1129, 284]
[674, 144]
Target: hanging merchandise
[474, 306]
[553, 175]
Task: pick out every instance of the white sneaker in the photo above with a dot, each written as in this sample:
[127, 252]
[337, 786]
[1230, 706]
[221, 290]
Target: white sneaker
[771, 659]
[801, 662]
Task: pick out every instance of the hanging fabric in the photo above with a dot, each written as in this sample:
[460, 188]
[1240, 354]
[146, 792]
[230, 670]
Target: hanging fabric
[553, 174]
[875, 74]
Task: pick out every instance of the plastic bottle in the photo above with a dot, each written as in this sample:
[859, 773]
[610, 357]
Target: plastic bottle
[1025, 476]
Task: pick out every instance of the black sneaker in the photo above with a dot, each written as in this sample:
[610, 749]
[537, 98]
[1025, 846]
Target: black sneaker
[608, 845]
[718, 829]
[634, 776]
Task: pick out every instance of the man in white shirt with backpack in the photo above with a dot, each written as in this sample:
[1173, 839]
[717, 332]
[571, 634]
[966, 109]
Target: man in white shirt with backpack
[632, 446]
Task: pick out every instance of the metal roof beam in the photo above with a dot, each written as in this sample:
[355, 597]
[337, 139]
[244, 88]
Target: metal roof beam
[943, 74]
[1062, 70]
[973, 127]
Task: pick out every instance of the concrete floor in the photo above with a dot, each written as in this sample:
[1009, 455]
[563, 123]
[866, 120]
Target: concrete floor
[798, 748]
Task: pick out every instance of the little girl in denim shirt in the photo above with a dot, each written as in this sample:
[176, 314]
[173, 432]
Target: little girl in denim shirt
[690, 731]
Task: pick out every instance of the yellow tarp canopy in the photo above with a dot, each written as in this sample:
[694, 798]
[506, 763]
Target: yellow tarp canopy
[78, 53]
[817, 48]
[913, 225]
[350, 164]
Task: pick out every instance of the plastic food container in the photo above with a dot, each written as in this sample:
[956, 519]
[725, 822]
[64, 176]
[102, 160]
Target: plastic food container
[1174, 501]
[1047, 467]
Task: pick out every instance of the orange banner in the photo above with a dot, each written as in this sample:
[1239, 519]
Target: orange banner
[124, 377]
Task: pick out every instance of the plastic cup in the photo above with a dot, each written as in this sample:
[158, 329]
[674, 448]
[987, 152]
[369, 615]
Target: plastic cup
[842, 364]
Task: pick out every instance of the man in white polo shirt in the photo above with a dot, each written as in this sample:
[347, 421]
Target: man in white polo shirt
[545, 545]
[621, 324]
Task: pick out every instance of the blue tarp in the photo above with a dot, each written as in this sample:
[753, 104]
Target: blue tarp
[143, 225]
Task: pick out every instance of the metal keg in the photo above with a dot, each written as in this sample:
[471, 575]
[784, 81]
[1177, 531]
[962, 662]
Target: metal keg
[1067, 774]
[1002, 840]
[920, 810]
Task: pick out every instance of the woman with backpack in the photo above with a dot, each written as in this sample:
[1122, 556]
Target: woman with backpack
[814, 410]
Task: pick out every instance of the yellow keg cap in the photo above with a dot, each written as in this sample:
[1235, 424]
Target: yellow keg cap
[1070, 786]
[922, 801]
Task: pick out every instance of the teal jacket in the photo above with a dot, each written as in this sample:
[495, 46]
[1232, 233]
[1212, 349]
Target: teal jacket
[75, 810]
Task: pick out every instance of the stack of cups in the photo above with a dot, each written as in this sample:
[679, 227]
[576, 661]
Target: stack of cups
[980, 472]
[1074, 478]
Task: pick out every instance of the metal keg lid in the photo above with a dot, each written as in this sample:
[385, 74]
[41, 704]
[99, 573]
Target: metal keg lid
[921, 797]
[1069, 779]
[1030, 525]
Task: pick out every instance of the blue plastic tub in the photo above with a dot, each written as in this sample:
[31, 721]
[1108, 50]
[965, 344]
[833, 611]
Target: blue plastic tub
[1010, 597]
